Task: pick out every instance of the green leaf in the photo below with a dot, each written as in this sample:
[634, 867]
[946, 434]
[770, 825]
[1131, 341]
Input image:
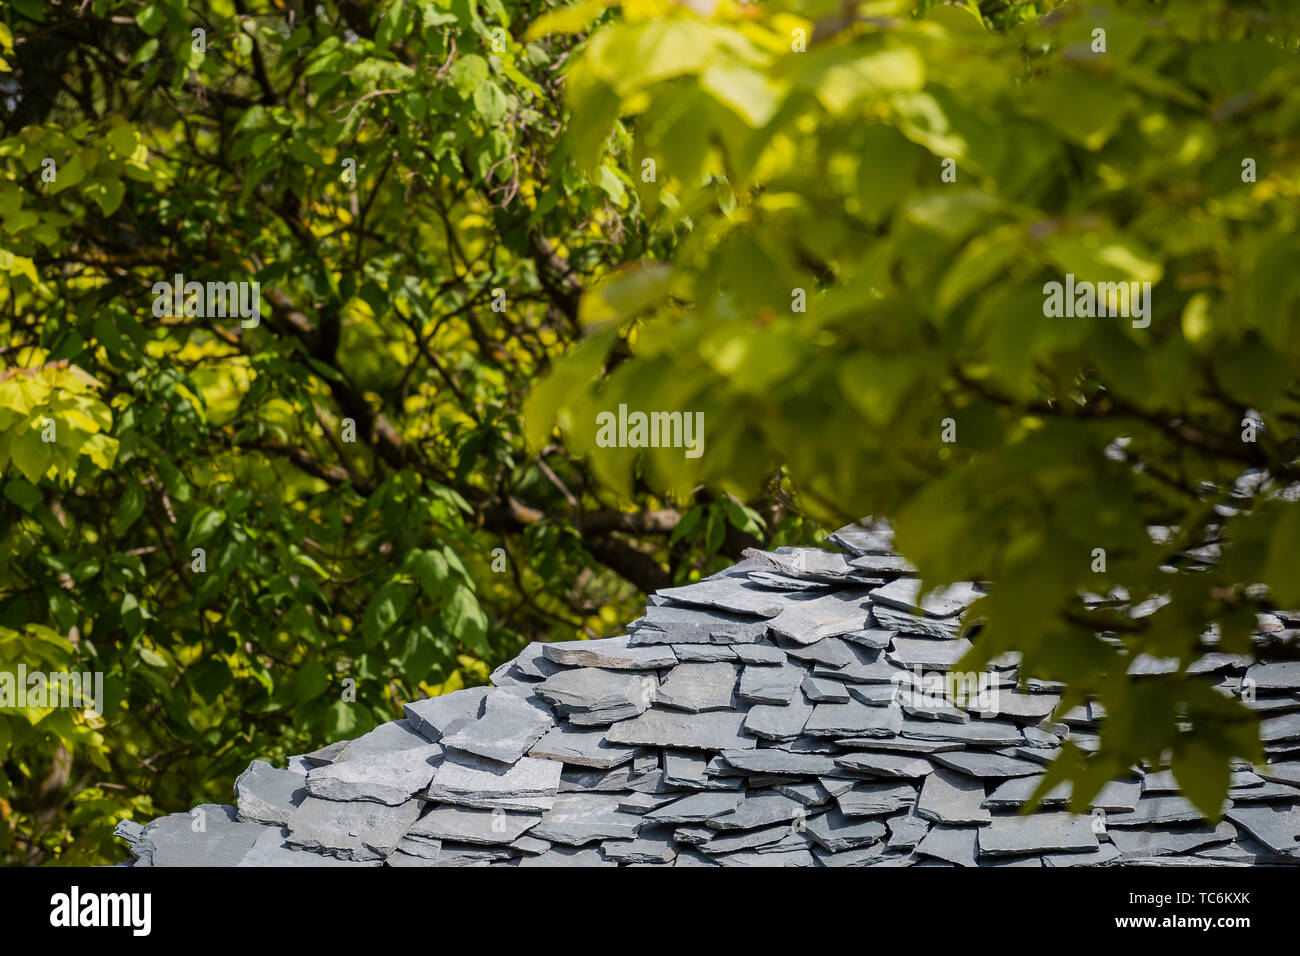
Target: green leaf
[22, 493]
[490, 102]
[468, 73]
[152, 18]
[205, 524]
[466, 620]
[384, 610]
[1202, 774]
[129, 507]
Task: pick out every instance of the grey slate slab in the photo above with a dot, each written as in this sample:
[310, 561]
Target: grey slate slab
[1104, 854]
[568, 856]
[957, 845]
[905, 622]
[808, 621]
[1037, 833]
[778, 721]
[267, 795]
[530, 844]
[435, 716]
[922, 706]
[1157, 810]
[415, 845]
[704, 653]
[734, 594]
[581, 818]
[711, 730]
[1287, 772]
[805, 562]
[1277, 675]
[952, 798]
[928, 653]
[684, 769]
[271, 850]
[824, 690]
[975, 733]
[769, 760]
[612, 653]
[795, 856]
[876, 799]
[872, 638]
[853, 719]
[618, 694]
[674, 624]
[774, 580]
[391, 737]
[1114, 796]
[507, 728]
[987, 766]
[759, 654]
[885, 765]
[390, 777]
[1277, 729]
[652, 845]
[773, 842]
[810, 793]
[461, 825]
[836, 831]
[861, 856]
[696, 808]
[870, 536]
[528, 785]
[874, 695]
[697, 687]
[904, 594]
[1277, 829]
[1166, 841]
[897, 744]
[619, 780]
[871, 668]
[760, 809]
[645, 802]
[1267, 792]
[318, 758]
[764, 684]
[580, 747]
[1024, 707]
[219, 840]
[830, 651]
[353, 830]
[906, 830]
[882, 564]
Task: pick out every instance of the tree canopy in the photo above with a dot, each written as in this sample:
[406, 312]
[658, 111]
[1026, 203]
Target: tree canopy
[472, 228]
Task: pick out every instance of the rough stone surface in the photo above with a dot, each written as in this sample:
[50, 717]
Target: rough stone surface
[784, 712]
[267, 795]
[508, 726]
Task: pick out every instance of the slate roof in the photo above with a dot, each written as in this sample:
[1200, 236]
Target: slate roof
[762, 717]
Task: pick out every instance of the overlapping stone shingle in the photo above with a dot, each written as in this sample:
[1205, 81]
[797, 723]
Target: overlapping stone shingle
[790, 711]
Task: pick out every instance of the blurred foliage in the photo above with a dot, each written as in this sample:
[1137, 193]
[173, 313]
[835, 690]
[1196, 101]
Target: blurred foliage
[448, 209]
[799, 149]
[233, 522]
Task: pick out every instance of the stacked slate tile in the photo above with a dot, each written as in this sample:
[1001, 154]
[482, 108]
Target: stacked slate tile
[780, 713]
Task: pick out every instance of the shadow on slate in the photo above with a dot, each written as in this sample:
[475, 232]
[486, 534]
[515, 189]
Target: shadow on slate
[766, 716]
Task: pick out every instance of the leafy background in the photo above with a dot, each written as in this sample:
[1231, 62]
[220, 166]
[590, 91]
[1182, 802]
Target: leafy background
[500, 151]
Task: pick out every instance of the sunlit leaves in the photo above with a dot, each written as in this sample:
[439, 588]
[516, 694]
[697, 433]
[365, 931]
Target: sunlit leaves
[864, 231]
